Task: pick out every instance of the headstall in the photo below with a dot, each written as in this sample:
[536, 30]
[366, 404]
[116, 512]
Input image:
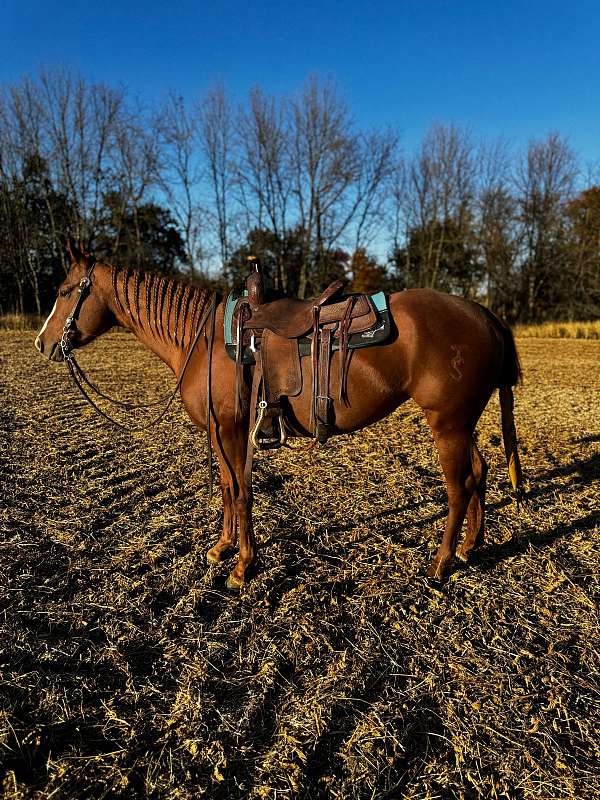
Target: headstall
[70, 325]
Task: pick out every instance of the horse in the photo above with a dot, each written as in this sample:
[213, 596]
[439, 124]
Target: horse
[447, 353]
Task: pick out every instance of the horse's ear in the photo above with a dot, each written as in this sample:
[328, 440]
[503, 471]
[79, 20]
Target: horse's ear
[84, 251]
[73, 250]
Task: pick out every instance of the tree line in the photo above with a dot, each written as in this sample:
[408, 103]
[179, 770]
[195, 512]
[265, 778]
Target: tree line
[196, 187]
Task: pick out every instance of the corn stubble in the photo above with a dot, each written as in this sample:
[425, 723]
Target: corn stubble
[127, 669]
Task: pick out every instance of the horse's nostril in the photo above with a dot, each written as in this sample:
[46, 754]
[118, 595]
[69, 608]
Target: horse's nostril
[39, 344]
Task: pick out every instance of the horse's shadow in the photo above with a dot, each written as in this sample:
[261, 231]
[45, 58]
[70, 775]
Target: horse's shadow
[583, 473]
[589, 471]
[588, 439]
[493, 554]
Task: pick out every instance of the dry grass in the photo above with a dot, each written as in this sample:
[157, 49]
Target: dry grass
[20, 322]
[560, 330]
[128, 671]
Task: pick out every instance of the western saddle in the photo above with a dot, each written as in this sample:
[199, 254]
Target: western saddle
[275, 334]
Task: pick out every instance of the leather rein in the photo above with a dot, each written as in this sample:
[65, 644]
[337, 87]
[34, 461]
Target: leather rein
[81, 380]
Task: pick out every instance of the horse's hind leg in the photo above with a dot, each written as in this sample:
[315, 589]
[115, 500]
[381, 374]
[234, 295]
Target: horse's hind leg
[476, 510]
[454, 448]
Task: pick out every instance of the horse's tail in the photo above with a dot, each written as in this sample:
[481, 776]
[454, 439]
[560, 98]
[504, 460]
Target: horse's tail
[509, 435]
[510, 375]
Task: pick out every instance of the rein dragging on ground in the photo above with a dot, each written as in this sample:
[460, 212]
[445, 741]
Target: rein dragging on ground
[79, 378]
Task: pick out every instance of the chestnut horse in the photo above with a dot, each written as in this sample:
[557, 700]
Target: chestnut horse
[446, 353]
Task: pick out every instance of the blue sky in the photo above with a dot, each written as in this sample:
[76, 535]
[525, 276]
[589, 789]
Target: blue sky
[517, 69]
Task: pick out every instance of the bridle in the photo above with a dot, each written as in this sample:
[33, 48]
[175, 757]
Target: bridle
[81, 380]
[70, 325]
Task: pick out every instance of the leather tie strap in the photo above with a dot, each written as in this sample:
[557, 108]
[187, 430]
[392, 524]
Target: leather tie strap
[322, 415]
[330, 292]
[239, 350]
[256, 382]
[343, 354]
[314, 358]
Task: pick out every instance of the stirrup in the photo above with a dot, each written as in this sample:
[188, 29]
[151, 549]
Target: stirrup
[268, 442]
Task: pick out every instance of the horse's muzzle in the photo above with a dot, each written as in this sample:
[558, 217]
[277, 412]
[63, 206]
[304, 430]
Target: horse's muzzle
[55, 352]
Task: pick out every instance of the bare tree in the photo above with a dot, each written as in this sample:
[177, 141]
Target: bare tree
[181, 174]
[438, 203]
[216, 133]
[497, 231]
[264, 171]
[325, 164]
[25, 141]
[136, 169]
[545, 182]
[26, 192]
[375, 183]
[81, 125]
[303, 168]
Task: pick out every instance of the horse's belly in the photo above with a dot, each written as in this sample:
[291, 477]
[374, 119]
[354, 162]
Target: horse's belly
[375, 387]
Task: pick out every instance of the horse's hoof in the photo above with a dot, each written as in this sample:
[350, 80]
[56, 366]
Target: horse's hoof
[437, 573]
[212, 557]
[433, 571]
[464, 557]
[233, 583]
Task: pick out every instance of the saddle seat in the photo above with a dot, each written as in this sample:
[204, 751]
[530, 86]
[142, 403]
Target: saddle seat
[291, 318]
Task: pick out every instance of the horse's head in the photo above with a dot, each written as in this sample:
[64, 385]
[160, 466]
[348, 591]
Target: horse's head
[80, 312]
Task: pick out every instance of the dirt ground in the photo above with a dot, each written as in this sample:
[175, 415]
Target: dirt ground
[128, 670]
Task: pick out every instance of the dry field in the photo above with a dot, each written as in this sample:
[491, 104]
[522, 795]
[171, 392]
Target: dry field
[560, 330]
[127, 670]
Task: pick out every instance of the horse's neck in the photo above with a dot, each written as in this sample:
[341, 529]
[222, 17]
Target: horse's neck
[160, 312]
[166, 351]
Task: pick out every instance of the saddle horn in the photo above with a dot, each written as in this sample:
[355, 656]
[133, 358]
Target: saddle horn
[255, 284]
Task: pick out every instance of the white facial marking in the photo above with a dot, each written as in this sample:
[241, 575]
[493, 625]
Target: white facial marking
[45, 325]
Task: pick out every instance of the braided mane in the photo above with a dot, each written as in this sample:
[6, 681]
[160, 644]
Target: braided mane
[166, 302]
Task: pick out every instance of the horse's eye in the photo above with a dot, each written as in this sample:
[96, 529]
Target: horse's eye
[65, 292]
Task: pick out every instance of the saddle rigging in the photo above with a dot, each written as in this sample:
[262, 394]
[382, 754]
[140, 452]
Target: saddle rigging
[274, 335]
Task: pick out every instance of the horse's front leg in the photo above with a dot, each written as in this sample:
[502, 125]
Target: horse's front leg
[231, 446]
[228, 538]
[243, 514]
